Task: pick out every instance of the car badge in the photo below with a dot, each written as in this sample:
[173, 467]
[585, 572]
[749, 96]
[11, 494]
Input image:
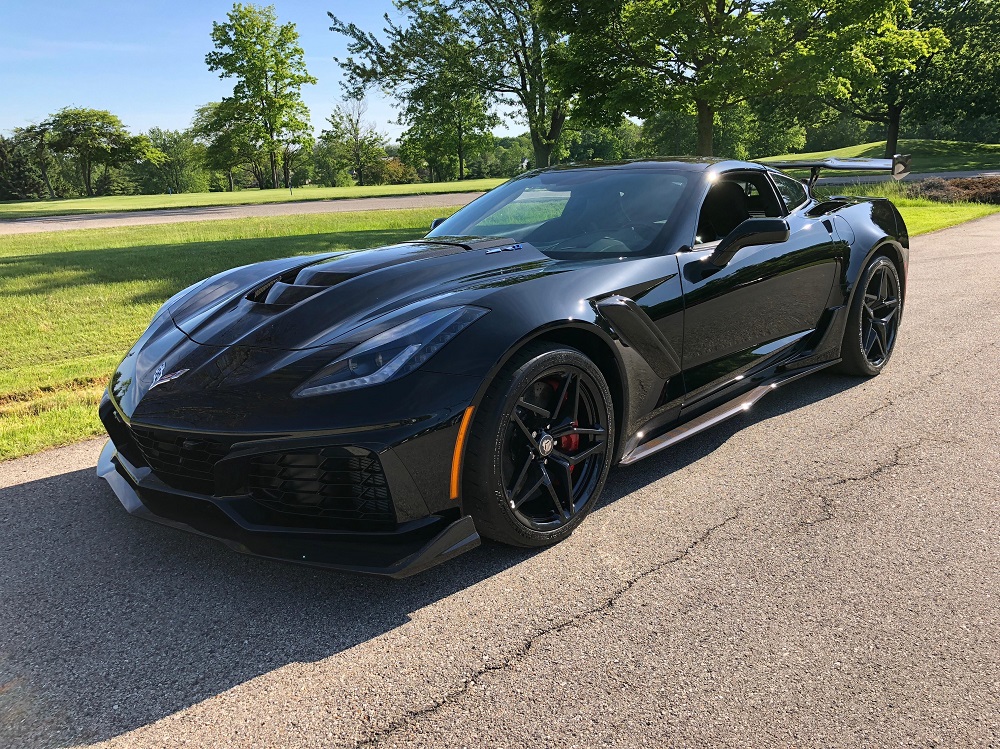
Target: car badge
[159, 378]
[508, 248]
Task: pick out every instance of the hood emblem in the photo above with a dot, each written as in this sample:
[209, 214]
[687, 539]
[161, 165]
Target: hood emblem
[508, 248]
[159, 378]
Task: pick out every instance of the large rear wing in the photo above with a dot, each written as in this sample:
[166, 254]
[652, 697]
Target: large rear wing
[898, 166]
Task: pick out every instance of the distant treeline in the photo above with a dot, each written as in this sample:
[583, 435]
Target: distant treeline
[742, 79]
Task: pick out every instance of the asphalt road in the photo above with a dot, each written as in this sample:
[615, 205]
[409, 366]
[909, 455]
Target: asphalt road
[821, 572]
[214, 213]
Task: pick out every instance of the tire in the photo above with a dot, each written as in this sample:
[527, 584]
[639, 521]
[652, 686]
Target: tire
[873, 321]
[540, 447]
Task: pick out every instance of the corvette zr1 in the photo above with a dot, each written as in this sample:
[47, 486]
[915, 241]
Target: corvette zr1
[377, 410]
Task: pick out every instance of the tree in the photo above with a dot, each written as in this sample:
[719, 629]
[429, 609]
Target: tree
[643, 57]
[887, 69]
[20, 178]
[269, 67]
[182, 168]
[504, 58]
[961, 84]
[93, 138]
[231, 141]
[354, 141]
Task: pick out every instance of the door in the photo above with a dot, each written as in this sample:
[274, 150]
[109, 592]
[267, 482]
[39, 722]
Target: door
[767, 298]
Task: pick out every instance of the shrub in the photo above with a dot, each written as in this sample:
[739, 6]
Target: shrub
[963, 190]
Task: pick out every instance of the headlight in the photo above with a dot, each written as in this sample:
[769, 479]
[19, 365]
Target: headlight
[392, 353]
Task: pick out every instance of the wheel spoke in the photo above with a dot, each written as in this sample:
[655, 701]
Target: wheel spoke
[870, 340]
[881, 330]
[581, 456]
[520, 480]
[574, 417]
[524, 430]
[883, 287]
[534, 409]
[561, 395]
[528, 494]
[582, 431]
[547, 480]
[566, 474]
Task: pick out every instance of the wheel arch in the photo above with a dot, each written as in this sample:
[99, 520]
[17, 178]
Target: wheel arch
[592, 341]
[892, 250]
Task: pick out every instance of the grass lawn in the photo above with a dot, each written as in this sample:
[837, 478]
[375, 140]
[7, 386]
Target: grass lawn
[928, 155]
[73, 302]
[31, 208]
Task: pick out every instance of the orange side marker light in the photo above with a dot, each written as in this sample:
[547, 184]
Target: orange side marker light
[456, 459]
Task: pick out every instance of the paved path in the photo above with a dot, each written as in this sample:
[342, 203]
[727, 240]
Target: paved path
[212, 213]
[821, 572]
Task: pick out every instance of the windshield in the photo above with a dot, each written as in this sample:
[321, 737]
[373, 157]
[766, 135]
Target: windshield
[576, 213]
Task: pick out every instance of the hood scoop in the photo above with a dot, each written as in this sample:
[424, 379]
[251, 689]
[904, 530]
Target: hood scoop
[298, 285]
[353, 264]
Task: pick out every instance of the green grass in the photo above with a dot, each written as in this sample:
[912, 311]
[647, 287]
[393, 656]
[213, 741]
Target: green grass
[34, 208]
[73, 302]
[928, 155]
[921, 215]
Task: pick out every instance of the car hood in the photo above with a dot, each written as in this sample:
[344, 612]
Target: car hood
[302, 303]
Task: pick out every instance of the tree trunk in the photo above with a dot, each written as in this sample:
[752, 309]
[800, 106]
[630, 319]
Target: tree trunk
[287, 169]
[87, 175]
[461, 153]
[48, 183]
[274, 169]
[892, 136]
[706, 125]
[543, 151]
[232, 185]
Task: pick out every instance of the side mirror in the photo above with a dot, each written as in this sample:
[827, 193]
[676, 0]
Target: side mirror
[436, 223]
[752, 232]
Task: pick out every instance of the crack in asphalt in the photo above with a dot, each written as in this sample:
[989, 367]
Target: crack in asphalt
[524, 650]
[819, 487]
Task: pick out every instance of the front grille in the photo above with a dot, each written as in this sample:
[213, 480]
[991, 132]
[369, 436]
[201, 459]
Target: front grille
[346, 485]
[183, 461]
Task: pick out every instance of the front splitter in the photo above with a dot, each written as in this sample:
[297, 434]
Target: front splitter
[321, 549]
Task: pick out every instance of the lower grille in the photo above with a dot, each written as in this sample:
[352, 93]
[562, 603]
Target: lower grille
[341, 484]
[183, 461]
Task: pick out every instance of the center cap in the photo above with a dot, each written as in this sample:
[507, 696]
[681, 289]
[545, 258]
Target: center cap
[545, 445]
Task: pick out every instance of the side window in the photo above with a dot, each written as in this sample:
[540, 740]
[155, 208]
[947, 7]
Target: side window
[792, 191]
[731, 201]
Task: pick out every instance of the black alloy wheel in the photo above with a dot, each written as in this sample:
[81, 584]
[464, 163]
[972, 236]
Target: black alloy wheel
[873, 323]
[540, 448]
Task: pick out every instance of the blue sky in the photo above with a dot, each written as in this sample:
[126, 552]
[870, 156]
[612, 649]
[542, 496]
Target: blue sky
[144, 60]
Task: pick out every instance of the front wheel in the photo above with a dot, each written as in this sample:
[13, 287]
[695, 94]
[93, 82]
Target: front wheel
[540, 447]
[873, 322]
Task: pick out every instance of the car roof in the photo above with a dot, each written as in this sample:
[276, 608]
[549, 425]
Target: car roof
[671, 163]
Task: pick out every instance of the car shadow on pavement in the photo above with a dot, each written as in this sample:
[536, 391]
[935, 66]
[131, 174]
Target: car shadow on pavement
[108, 623]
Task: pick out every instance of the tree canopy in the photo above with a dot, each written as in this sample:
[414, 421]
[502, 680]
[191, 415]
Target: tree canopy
[496, 50]
[95, 138]
[641, 57]
[265, 59]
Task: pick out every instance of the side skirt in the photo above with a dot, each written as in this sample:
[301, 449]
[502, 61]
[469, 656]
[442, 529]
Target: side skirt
[717, 415]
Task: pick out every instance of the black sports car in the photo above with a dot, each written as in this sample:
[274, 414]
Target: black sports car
[377, 410]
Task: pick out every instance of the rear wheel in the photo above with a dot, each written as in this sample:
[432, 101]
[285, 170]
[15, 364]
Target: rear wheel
[540, 447]
[873, 322]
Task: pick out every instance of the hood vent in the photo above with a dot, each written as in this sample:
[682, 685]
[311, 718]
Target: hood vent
[282, 291]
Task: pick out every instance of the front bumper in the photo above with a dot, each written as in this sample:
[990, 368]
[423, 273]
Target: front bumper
[409, 548]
